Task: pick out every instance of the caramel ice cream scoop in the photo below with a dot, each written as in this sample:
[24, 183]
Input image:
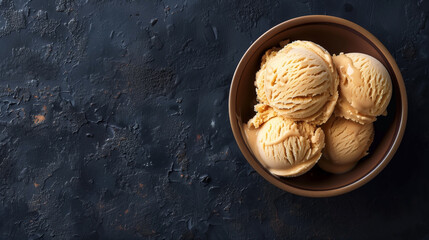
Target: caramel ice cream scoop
[365, 87]
[286, 148]
[346, 143]
[299, 82]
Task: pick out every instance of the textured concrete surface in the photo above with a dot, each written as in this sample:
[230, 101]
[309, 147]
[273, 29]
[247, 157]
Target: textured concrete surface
[114, 124]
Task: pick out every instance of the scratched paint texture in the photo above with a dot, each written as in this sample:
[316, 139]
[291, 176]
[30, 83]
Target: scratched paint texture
[114, 125]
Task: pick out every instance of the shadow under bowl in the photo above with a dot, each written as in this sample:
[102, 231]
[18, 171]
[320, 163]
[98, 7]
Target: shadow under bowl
[335, 35]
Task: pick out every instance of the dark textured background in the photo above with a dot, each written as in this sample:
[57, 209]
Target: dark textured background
[114, 124]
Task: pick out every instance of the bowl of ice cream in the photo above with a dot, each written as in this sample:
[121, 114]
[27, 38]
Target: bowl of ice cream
[324, 133]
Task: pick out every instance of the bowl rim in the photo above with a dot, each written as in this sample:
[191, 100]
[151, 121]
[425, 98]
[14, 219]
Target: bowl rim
[241, 141]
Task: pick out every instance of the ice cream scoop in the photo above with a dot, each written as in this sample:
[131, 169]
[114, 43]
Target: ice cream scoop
[299, 82]
[365, 87]
[286, 148]
[346, 143]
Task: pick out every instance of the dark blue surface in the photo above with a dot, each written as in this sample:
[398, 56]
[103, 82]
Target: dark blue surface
[114, 124]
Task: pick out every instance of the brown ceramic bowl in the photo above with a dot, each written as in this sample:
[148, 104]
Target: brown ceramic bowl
[336, 35]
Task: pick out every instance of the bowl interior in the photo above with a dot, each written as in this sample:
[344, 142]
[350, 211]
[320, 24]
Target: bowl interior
[335, 38]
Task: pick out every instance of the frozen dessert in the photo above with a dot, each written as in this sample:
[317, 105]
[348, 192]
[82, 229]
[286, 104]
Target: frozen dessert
[286, 148]
[298, 88]
[365, 87]
[299, 82]
[346, 142]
